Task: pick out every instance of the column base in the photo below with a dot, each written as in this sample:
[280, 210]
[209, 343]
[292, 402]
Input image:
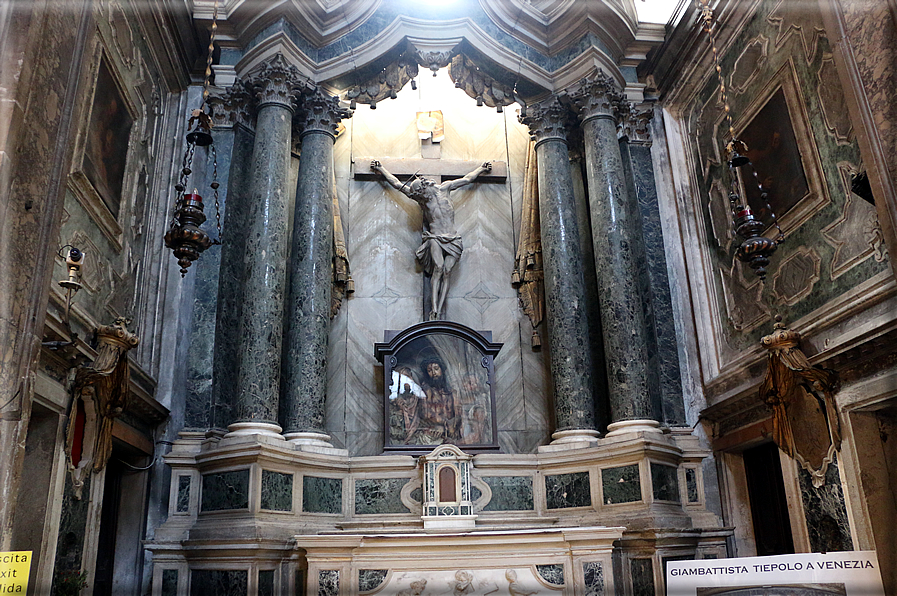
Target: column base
[632, 426]
[314, 443]
[308, 438]
[242, 429]
[577, 438]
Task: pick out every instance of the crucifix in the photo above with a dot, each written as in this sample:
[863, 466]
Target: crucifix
[429, 182]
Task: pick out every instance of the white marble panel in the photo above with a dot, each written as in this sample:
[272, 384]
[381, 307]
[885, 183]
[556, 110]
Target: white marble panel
[382, 233]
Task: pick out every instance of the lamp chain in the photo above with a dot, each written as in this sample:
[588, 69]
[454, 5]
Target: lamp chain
[734, 144]
[214, 30]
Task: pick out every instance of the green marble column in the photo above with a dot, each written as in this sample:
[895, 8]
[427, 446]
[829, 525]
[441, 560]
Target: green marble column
[265, 256]
[308, 306]
[565, 294]
[616, 240]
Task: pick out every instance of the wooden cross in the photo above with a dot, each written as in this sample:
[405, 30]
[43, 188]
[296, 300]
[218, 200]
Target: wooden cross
[437, 170]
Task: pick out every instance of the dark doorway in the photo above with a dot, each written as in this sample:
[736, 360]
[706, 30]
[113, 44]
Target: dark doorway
[769, 508]
[102, 583]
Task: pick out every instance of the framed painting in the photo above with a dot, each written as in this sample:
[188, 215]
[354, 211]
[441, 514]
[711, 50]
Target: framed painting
[783, 152]
[107, 139]
[439, 388]
[100, 177]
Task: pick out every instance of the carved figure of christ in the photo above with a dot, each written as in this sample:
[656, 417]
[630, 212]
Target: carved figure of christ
[441, 245]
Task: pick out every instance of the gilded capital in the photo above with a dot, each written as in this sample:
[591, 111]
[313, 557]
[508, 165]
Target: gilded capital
[319, 112]
[548, 120]
[597, 97]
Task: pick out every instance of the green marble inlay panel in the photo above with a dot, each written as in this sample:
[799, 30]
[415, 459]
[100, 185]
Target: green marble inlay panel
[826, 512]
[510, 493]
[621, 485]
[370, 579]
[593, 578]
[417, 494]
[183, 503]
[277, 491]
[568, 490]
[266, 582]
[691, 485]
[225, 490]
[642, 571]
[328, 582]
[169, 582]
[322, 495]
[72, 524]
[379, 495]
[553, 574]
[665, 482]
[213, 582]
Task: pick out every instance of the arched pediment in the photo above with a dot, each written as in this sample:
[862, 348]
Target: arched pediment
[543, 74]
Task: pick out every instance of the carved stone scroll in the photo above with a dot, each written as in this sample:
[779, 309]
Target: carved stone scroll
[386, 83]
[479, 85]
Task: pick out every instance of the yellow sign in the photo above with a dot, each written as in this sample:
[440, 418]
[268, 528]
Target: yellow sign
[14, 569]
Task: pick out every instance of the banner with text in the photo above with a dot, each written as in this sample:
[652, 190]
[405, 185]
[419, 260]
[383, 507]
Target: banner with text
[14, 569]
[833, 574]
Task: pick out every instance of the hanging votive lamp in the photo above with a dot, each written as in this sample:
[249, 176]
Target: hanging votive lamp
[185, 237]
[755, 248]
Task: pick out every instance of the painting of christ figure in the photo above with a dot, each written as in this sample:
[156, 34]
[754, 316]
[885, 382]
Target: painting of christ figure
[439, 393]
[108, 134]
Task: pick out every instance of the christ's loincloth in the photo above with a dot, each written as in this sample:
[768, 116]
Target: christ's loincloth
[450, 244]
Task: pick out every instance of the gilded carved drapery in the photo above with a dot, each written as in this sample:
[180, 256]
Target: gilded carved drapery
[805, 419]
[528, 276]
[99, 395]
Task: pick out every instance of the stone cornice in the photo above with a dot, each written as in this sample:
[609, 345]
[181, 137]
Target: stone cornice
[405, 29]
[318, 22]
[551, 26]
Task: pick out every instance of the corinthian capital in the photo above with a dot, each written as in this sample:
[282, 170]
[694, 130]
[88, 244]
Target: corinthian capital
[319, 112]
[635, 124]
[275, 81]
[598, 96]
[548, 120]
[233, 106]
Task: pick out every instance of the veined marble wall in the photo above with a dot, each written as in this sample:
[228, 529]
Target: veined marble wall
[382, 229]
[834, 249]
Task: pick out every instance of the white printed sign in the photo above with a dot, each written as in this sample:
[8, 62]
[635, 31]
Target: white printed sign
[834, 574]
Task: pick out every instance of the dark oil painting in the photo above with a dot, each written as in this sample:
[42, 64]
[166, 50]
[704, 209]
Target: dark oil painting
[774, 153]
[106, 147]
[439, 393]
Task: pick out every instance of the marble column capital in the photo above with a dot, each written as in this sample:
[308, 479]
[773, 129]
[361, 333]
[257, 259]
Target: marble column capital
[598, 97]
[549, 120]
[233, 106]
[319, 113]
[635, 125]
[275, 81]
